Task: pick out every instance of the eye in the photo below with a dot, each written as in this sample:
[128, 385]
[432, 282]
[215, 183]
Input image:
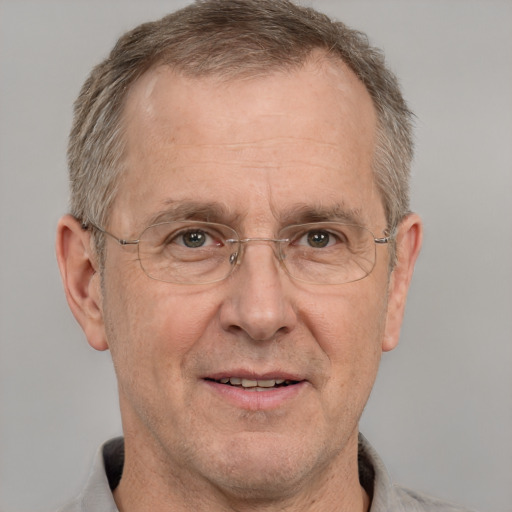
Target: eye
[194, 238]
[318, 239]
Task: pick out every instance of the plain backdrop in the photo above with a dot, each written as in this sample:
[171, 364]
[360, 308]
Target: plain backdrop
[441, 412]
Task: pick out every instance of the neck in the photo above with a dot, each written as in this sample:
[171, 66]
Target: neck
[150, 483]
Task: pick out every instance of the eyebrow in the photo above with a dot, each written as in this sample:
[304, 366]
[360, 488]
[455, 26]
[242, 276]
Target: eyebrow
[173, 210]
[299, 213]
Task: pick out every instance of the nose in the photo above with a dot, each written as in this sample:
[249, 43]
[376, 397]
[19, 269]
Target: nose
[259, 302]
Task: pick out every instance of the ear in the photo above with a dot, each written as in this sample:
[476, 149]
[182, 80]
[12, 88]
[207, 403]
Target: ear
[408, 245]
[81, 279]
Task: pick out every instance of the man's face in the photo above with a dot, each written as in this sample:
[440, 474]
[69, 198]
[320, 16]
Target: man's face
[254, 154]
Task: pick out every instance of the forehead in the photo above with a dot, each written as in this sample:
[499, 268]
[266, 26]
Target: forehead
[286, 138]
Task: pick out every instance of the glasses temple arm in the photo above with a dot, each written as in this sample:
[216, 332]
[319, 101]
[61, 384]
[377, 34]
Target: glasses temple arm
[120, 241]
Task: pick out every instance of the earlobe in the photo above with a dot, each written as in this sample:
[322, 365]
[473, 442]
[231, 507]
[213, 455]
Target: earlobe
[408, 245]
[81, 279]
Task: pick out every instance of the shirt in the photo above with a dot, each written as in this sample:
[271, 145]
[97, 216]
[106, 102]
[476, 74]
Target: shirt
[385, 496]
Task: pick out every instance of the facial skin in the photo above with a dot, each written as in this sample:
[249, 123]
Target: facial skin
[255, 154]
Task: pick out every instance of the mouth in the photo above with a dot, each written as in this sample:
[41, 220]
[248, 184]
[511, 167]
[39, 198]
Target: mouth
[255, 384]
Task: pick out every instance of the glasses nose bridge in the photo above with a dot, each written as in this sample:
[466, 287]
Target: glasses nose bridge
[263, 239]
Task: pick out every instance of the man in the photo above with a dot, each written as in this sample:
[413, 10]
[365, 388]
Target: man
[240, 239]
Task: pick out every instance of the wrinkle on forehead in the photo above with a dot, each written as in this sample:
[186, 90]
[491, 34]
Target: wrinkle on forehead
[260, 142]
[219, 212]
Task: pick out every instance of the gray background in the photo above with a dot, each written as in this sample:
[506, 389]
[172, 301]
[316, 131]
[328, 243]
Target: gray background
[441, 414]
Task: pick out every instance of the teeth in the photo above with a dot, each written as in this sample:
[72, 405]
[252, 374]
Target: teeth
[249, 383]
[266, 383]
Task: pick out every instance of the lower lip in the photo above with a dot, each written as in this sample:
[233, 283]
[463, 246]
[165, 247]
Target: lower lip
[256, 400]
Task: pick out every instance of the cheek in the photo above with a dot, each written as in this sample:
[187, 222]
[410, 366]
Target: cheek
[153, 326]
[153, 331]
[349, 329]
[351, 320]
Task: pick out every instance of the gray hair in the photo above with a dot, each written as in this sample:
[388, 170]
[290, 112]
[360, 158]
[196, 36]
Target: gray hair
[229, 39]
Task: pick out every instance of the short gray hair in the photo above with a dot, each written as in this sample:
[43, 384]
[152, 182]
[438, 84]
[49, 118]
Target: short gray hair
[229, 39]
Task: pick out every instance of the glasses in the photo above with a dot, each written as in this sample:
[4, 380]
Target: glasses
[190, 252]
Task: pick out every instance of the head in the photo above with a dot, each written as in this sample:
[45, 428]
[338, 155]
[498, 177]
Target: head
[302, 123]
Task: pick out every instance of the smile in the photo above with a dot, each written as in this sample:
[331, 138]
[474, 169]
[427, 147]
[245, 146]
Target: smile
[255, 385]
[256, 392]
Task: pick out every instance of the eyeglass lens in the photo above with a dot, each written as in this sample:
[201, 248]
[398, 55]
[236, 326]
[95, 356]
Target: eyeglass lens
[192, 252]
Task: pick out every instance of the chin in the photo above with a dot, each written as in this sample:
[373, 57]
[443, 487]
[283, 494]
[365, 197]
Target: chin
[261, 467]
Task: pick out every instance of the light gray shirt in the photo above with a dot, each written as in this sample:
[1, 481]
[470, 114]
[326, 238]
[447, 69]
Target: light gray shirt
[386, 496]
